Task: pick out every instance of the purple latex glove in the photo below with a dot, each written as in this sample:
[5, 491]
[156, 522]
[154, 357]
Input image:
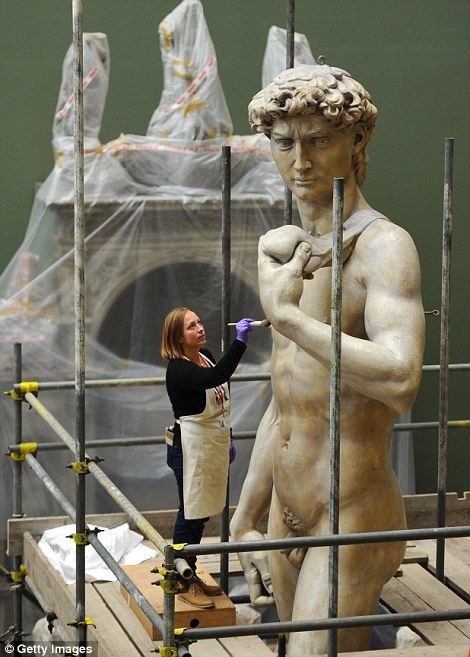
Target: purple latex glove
[232, 453]
[243, 327]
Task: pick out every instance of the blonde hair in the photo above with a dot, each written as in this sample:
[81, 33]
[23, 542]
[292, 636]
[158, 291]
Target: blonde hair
[173, 328]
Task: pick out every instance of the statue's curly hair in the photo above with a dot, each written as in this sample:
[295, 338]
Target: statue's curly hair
[316, 89]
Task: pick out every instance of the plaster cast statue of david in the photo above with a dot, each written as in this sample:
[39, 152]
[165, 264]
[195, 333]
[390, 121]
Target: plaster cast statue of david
[319, 121]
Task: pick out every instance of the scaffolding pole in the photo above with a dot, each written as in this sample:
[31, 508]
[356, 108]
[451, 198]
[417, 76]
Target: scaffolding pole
[262, 629]
[47, 386]
[226, 303]
[18, 586]
[335, 406]
[290, 58]
[241, 435]
[444, 352]
[79, 302]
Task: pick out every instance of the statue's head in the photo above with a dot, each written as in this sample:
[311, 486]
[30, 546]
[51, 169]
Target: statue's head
[321, 90]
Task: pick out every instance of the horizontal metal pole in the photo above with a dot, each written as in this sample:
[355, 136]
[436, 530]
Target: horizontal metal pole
[240, 435]
[418, 426]
[456, 367]
[160, 381]
[99, 383]
[108, 559]
[331, 539]
[327, 623]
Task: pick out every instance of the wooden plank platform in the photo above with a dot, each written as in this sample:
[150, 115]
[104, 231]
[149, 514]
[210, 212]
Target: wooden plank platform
[425, 651]
[418, 590]
[456, 563]
[116, 628]
[119, 634]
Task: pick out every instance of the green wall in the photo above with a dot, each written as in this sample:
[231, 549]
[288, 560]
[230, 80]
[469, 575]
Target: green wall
[412, 55]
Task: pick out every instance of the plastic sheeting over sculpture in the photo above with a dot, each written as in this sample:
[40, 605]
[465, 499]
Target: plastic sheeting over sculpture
[191, 85]
[153, 241]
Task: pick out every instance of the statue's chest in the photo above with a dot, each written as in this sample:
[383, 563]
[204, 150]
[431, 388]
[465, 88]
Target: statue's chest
[316, 300]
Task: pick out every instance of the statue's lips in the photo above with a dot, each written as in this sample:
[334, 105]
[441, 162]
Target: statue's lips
[304, 181]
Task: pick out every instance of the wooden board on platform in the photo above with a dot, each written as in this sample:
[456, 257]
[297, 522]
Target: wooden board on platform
[425, 651]
[456, 563]
[119, 634]
[421, 510]
[246, 646]
[419, 590]
[60, 597]
[223, 612]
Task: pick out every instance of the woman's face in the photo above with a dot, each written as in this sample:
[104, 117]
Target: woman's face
[194, 335]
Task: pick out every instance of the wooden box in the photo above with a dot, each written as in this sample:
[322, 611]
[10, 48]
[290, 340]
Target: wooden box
[223, 613]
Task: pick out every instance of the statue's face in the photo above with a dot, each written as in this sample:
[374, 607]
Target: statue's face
[309, 154]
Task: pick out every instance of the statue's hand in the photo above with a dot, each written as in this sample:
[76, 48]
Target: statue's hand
[281, 284]
[256, 569]
[280, 243]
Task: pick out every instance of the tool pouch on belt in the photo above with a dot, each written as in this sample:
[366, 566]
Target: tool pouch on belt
[169, 436]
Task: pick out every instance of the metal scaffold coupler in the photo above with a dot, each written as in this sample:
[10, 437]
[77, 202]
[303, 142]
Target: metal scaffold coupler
[166, 651]
[170, 582]
[18, 452]
[20, 390]
[87, 621]
[82, 538]
[82, 467]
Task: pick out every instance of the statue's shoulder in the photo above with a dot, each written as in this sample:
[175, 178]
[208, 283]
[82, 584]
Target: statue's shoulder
[385, 243]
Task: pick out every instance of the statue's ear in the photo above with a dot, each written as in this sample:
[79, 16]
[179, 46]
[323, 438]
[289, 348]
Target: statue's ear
[360, 137]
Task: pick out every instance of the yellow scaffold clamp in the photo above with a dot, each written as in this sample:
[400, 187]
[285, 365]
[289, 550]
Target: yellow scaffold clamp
[178, 546]
[82, 538]
[20, 389]
[81, 467]
[170, 583]
[88, 621]
[166, 651]
[18, 452]
[17, 576]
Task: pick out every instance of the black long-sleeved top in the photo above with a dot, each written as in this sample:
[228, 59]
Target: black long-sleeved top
[186, 382]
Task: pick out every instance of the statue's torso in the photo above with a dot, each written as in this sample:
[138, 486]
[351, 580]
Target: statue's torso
[301, 387]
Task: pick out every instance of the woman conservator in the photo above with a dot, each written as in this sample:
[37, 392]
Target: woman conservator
[202, 448]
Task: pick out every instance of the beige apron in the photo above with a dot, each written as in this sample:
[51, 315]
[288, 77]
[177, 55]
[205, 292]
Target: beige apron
[205, 441]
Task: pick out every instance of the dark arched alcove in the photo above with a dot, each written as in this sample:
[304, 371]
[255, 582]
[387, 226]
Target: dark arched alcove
[132, 327]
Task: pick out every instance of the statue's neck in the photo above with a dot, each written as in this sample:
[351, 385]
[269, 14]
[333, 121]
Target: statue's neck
[318, 220]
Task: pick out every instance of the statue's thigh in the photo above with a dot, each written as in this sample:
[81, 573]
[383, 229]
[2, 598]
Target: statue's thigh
[283, 574]
[358, 595]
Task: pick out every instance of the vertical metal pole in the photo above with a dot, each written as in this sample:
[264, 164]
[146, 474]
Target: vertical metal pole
[226, 301]
[290, 33]
[444, 352]
[18, 496]
[79, 277]
[169, 602]
[335, 385]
